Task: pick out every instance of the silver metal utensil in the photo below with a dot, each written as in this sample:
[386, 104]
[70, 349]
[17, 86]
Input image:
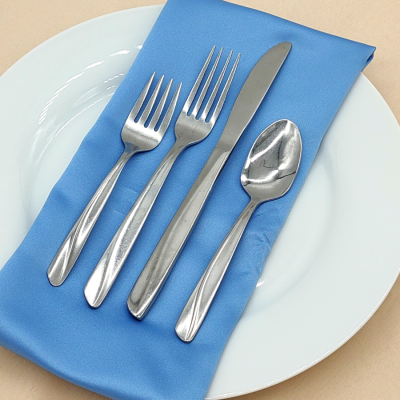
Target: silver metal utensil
[137, 138]
[189, 129]
[268, 174]
[171, 243]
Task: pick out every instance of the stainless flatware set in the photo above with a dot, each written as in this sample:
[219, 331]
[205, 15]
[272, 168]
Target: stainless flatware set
[269, 172]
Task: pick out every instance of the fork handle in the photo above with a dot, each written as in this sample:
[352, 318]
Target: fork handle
[114, 257]
[69, 251]
[197, 306]
[168, 248]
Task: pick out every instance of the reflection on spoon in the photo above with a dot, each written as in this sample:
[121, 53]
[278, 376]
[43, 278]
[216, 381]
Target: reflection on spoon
[268, 174]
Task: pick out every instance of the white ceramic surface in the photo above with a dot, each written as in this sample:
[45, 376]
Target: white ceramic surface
[334, 261]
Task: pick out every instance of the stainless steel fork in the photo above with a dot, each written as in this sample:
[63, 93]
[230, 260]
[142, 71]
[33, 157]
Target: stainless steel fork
[188, 130]
[136, 138]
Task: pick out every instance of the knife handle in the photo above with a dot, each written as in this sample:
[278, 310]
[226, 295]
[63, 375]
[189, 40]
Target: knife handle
[159, 265]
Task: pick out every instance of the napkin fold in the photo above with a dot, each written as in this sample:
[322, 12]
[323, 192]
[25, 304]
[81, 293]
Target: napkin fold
[106, 350]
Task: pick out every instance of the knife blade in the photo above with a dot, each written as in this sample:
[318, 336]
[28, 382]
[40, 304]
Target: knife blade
[164, 256]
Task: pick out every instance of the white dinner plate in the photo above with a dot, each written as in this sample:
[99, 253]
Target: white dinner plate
[337, 256]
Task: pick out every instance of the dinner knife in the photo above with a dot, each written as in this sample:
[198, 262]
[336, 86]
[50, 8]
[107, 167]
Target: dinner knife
[160, 263]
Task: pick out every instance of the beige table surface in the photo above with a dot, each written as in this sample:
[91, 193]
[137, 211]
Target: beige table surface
[365, 368]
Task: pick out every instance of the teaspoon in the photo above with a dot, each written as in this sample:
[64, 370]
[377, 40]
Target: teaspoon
[268, 173]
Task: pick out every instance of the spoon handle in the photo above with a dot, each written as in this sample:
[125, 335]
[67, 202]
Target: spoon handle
[114, 257]
[202, 296]
[69, 251]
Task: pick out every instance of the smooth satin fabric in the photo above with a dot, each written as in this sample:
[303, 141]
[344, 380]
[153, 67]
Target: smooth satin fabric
[107, 350]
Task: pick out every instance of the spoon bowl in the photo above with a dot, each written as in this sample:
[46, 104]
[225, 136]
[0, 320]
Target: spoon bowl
[273, 161]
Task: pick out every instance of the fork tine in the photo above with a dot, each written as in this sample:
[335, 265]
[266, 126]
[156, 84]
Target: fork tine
[150, 104]
[210, 101]
[140, 100]
[206, 85]
[221, 100]
[160, 106]
[170, 111]
[196, 85]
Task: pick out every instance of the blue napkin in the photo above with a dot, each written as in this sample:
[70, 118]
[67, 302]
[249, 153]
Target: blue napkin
[106, 350]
